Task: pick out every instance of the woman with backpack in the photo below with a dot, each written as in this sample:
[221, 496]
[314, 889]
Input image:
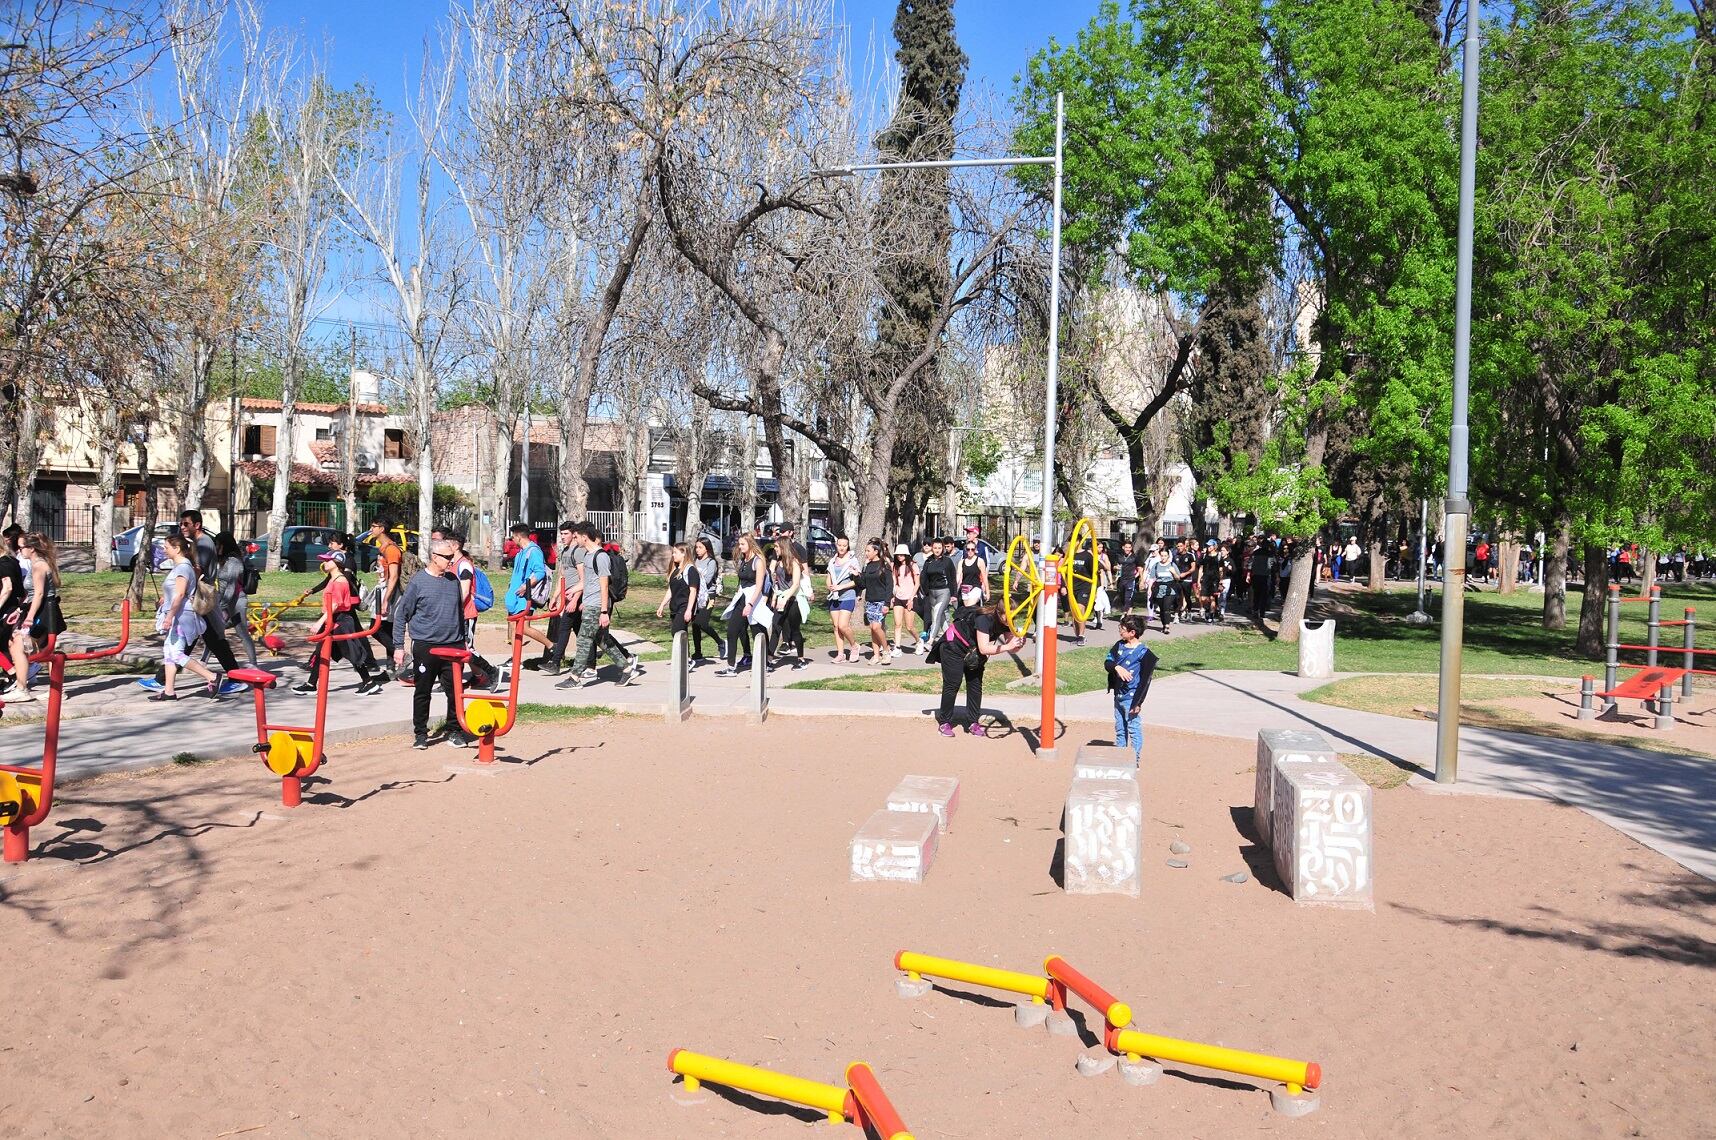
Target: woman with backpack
[788, 575]
[683, 586]
[745, 606]
[708, 569]
[973, 636]
[342, 601]
[233, 583]
[177, 620]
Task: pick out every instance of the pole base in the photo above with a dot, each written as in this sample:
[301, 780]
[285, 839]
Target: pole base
[1061, 1024]
[690, 1098]
[1418, 617]
[1095, 1061]
[1030, 1015]
[1140, 1073]
[1047, 755]
[909, 989]
[1287, 1104]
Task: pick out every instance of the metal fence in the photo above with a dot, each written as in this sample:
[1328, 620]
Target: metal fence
[66, 527]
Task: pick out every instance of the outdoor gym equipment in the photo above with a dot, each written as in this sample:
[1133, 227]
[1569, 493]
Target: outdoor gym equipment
[27, 794]
[1140, 1052]
[484, 717]
[264, 620]
[1654, 684]
[1021, 587]
[862, 1101]
[293, 751]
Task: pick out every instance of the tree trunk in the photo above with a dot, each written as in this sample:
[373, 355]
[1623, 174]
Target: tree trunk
[500, 489]
[1378, 562]
[1555, 577]
[1646, 570]
[106, 480]
[1593, 604]
[1507, 565]
[873, 486]
[694, 508]
[283, 448]
[1299, 587]
[836, 500]
[425, 388]
[748, 479]
[29, 459]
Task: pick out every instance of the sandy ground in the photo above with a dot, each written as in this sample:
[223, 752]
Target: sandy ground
[1694, 719]
[425, 950]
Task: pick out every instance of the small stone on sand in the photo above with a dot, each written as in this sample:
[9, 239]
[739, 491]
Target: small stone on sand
[1178, 863]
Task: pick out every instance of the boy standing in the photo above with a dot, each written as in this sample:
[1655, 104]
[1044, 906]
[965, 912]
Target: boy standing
[1130, 665]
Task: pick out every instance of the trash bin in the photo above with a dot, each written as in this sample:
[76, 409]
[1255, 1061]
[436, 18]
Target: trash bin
[1317, 648]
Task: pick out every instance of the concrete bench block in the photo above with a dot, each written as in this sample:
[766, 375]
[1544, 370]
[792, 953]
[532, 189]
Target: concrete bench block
[1104, 762]
[895, 847]
[1275, 746]
[937, 795]
[1104, 838]
[1322, 834]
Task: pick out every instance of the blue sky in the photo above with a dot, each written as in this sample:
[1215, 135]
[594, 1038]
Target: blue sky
[377, 40]
[380, 42]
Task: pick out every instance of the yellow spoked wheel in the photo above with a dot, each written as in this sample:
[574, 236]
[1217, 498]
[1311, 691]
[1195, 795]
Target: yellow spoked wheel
[1020, 585]
[1081, 588]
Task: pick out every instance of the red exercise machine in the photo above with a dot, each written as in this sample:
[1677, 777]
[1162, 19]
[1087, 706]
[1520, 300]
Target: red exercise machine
[27, 794]
[292, 751]
[484, 717]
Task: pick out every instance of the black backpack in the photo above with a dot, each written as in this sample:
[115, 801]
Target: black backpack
[251, 581]
[619, 575]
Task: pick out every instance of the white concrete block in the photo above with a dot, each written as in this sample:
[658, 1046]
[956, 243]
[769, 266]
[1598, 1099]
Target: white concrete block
[1275, 746]
[1104, 838]
[894, 846]
[1104, 762]
[937, 795]
[678, 705]
[1322, 834]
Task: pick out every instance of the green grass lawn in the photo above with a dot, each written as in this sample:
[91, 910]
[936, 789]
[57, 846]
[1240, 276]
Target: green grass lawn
[1504, 635]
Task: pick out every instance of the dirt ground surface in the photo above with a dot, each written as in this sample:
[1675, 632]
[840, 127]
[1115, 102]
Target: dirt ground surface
[423, 949]
[1694, 720]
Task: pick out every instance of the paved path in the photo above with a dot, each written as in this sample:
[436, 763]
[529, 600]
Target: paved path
[1666, 802]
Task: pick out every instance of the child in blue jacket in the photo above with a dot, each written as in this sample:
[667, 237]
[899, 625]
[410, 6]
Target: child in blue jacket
[1130, 665]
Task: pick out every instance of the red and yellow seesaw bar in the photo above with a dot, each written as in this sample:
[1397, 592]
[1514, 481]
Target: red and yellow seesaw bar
[1135, 1046]
[862, 1102]
[1131, 1044]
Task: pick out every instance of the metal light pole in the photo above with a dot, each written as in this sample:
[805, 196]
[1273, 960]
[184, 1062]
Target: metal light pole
[1045, 612]
[1418, 616]
[1458, 508]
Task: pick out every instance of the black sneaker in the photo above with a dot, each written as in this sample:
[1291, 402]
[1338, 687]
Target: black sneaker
[304, 687]
[369, 687]
[628, 671]
[457, 738]
[420, 742]
[551, 668]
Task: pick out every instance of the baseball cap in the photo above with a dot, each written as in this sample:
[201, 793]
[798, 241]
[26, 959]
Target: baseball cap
[334, 556]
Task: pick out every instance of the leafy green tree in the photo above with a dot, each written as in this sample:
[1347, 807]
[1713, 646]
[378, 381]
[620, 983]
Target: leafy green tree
[1592, 371]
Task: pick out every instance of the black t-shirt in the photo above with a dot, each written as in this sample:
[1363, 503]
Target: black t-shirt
[938, 573]
[971, 573]
[205, 556]
[11, 572]
[1260, 560]
[1210, 565]
[680, 589]
[878, 582]
[968, 622]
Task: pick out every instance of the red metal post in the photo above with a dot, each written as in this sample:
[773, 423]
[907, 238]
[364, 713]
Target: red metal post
[1051, 638]
[872, 1107]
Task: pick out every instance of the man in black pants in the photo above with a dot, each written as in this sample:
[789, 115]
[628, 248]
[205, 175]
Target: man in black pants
[432, 613]
[1262, 576]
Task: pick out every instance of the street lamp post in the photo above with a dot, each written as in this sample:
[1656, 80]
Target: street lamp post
[1458, 507]
[1045, 613]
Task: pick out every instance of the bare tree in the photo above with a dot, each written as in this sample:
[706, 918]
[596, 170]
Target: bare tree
[503, 183]
[313, 130]
[394, 205]
[221, 68]
[68, 149]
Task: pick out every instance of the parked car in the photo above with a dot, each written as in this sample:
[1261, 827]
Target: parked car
[300, 547]
[125, 545]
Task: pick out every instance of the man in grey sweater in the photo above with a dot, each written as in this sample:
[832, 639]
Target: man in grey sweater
[431, 612]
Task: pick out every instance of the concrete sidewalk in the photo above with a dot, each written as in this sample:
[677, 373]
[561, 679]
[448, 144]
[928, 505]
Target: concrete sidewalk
[1663, 801]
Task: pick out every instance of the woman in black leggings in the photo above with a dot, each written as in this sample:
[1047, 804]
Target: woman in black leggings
[708, 570]
[752, 571]
[789, 622]
[973, 636]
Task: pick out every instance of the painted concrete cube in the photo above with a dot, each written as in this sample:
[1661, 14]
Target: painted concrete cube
[1276, 746]
[1323, 850]
[1104, 838]
[937, 795]
[894, 847]
[1103, 762]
